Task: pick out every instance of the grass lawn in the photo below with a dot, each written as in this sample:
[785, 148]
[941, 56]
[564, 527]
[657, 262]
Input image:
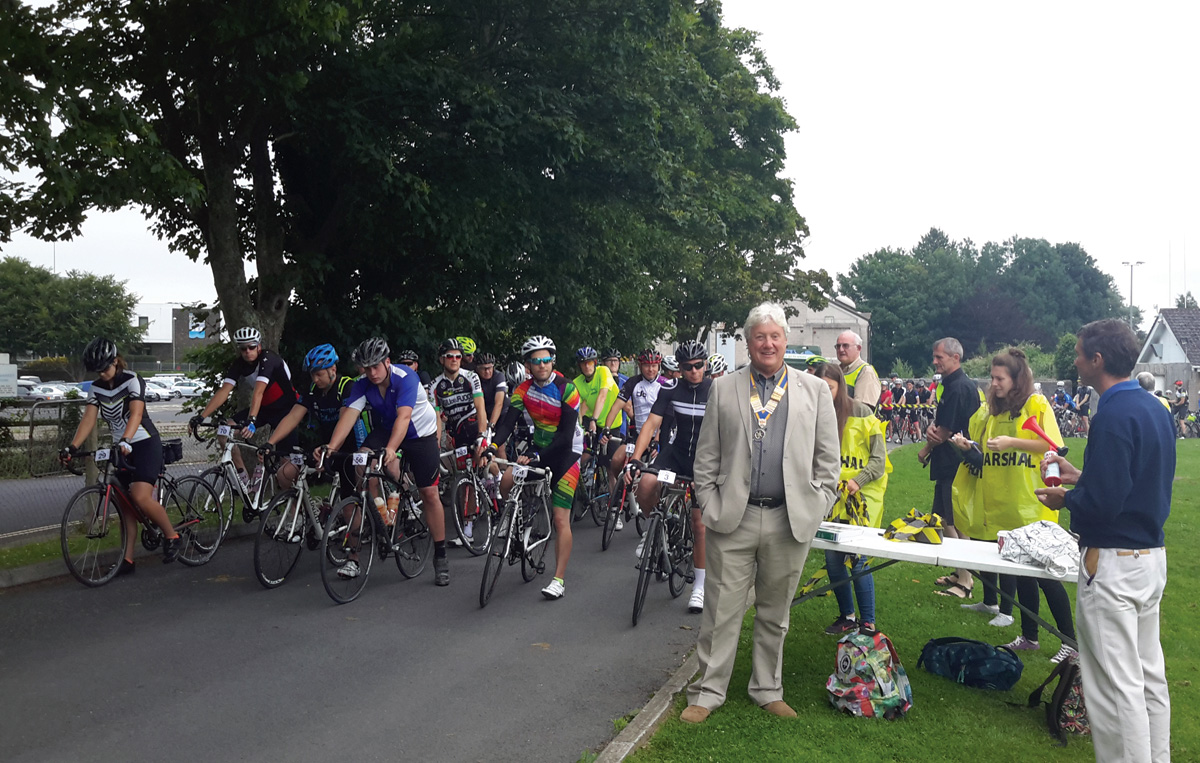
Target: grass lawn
[948, 722]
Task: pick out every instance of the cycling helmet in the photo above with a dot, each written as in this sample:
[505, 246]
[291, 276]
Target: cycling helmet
[371, 352]
[717, 364]
[1178, 382]
[690, 350]
[1037, 386]
[466, 344]
[408, 356]
[611, 353]
[937, 377]
[815, 360]
[649, 356]
[486, 359]
[453, 345]
[537, 342]
[320, 357]
[99, 354]
[247, 335]
[669, 363]
[515, 372]
[584, 354]
[1063, 384]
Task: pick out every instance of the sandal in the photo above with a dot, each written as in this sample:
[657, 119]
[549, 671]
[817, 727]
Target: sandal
[946, 580]
[958, 591]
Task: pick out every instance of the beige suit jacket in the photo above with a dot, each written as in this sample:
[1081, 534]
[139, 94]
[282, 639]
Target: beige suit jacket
[811, 453]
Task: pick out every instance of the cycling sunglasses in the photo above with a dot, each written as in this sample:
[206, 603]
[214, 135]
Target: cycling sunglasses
[693, 366]
[453, 356]
[242, 347]
[541, 361]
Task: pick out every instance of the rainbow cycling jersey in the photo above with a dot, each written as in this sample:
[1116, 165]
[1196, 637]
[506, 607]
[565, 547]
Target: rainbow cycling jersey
[543, 407]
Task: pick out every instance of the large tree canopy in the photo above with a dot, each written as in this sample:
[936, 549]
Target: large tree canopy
[601, 170]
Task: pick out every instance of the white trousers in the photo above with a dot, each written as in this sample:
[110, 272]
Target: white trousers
[1124, 675]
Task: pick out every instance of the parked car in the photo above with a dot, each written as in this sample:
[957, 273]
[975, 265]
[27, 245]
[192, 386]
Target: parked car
[164, 389]
[188, 387]
[45, 392]
[33, 379]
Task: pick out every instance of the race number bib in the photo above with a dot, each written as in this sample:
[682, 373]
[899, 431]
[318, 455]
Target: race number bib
[520, 472]
[461, 452]
[101, 455]
[629, 449]
[359, 459]
[666, 475]
[224, 430]
[297, 459]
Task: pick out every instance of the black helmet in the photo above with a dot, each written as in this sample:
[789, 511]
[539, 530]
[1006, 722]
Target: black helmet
[407, 356]
[371, 352]
[99, 354]
[486, 359]
[450, 345]
[690, 350]
[611, 352]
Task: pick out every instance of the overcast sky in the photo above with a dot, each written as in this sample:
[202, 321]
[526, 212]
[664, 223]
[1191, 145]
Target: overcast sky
[1067, 121]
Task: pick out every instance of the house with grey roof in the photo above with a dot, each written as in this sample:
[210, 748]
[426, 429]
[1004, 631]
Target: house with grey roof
[1172, 350]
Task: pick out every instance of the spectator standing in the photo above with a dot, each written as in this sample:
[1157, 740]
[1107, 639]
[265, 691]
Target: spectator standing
[1146, 380]
[1119, 505]
[862, 382]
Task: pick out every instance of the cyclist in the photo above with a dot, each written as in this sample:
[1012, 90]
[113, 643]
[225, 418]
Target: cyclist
[670, 370]
[1083, 403]
[717, 367]
[1061, 400]
[119, 397]
[404, 421]
[684, 402]
[1179, 406]
[411, 359]
[273, 398]
[324, 399]
[468, 351]
[458, 398]
[612, 360]
[551, 404]
[598, 394]
[636, 398]
[494, 385]
[936, 388]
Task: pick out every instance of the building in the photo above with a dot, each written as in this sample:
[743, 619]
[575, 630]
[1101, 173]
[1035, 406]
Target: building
[170, 331]
[1172, 349]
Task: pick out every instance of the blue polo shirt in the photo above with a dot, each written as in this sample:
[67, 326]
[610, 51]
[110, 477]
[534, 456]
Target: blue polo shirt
[404, 391]
[1123, 496]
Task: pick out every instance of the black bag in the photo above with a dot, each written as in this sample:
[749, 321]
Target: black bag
[172, 451]
[1065, 712]
[972, 663]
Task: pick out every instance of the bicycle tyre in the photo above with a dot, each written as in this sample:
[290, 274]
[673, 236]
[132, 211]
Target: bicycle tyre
[216, 479]
[646, 568]
[540, 526]
[617, 497]
[598, 497]
[92, 554]
[467, 493]
[279, 540]
[498, 551]
[338, 532]
[679, 547]
[195, 510]
[415, 541]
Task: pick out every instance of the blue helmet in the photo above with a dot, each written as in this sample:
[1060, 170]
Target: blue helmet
[584, 354]
[320, 357]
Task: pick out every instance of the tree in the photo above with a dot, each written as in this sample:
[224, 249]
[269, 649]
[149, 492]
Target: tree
[1064, 359]
[1186, 302]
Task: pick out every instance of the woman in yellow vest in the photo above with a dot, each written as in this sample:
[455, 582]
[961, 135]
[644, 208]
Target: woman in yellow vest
[996, 484]
[865, 468]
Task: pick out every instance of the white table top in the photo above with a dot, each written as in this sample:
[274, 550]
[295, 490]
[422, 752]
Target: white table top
[952, 552]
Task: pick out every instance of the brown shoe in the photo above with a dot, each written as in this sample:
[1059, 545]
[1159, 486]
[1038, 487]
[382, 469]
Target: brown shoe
[695, 714]
[779, 708]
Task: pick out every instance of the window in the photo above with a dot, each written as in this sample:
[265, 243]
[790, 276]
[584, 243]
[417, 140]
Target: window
[143, 322]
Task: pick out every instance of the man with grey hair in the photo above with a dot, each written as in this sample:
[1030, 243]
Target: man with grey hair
[766, 471]
[1146, 380]
[862, 382]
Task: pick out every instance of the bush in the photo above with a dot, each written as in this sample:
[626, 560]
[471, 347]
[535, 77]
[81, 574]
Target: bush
[902, 369]
[48, 369]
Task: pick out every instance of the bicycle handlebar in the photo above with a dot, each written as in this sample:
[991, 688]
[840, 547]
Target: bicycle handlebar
[539, 472]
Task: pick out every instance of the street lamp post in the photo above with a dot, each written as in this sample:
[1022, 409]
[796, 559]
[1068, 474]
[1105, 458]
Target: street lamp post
[174, 365]
[1131, 265]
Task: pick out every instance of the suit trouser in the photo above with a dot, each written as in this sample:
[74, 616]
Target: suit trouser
[761, 554]
[1124, 674]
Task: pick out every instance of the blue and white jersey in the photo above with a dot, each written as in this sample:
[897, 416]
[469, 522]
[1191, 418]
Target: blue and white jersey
[404, 390]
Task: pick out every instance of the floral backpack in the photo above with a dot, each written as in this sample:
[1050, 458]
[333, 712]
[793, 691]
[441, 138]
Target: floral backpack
[869, 681]
[1065, 712]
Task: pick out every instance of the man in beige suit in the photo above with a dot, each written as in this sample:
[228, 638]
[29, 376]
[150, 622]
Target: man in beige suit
[766, 471]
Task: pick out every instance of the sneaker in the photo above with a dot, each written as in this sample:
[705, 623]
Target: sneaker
[469, 531]
[171, 549]
[555, 590]
[1001, 621]
[441, 571]
[841, 625]
[1064, 652]
[456, 542]
[348, 570]
[125, 567]
[620, 524]
[993, 609]
[696, 602]
[641, 546]
[1022, 644]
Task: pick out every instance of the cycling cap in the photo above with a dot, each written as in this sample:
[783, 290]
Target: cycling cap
[612, 352]
[247, 335]
[320, 357]
[649, 356]
[584, 354]
[408, 356]
[99, 354]
[537, 342]
[669, 363]
[717, 364]
[690, 350]
[452, 345]
[371, 352]
[467, 344]
[486, 359]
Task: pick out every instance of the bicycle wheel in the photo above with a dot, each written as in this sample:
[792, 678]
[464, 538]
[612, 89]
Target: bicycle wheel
[195, 510]
[219, 482]
[581, 503]
[646, 567]
[279, 539]
[536, 535]
[598, 497]
[499, 549]
[679, 546]
[472, 506]
[349, 533]
[92, 536]
[616, 501]
[413, 539]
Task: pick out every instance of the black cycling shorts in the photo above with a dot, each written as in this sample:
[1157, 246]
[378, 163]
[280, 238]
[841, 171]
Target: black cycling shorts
[669, 458]
[421, 454]
[145, 462]
[270, 418]
[466, 433]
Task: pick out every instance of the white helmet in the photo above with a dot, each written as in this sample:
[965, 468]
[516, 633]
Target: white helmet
[717, 364]
[1037, 386]
[669, 363]
[515, 373]
[538, 342]
[1062, 384]
[937, 377]
[247, 335]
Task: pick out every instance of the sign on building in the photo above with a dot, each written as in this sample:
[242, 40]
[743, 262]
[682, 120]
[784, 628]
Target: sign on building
[195, 326]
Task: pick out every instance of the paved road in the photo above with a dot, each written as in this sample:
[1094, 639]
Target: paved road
[203, 664]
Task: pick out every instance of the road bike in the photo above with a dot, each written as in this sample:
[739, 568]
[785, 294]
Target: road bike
[474, 505]
[524, 529]
[224, 477]
[623, 496]
[668, 542]
[355, 531]
[591, 495]
[92, 534]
